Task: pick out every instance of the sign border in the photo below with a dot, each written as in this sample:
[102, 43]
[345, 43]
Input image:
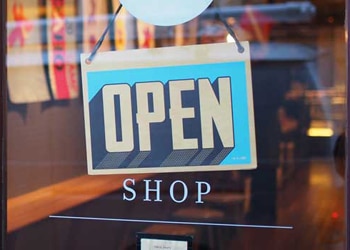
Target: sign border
[160, 57]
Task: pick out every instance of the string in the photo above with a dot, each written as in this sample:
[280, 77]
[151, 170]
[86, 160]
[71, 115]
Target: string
[100, 41]
[98, 44]
[240, 48]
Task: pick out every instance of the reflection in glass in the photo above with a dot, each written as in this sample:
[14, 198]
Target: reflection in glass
[299, 84]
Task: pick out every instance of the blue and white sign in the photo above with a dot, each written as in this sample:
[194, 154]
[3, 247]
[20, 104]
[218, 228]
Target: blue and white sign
[170, 109]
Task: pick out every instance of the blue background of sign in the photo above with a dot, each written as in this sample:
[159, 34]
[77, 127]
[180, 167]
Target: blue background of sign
[235, 70]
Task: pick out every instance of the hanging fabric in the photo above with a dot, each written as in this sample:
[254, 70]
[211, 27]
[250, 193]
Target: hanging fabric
[95, 19]
[61, 35]
[26, 75]
[145, 35]
[124, 29]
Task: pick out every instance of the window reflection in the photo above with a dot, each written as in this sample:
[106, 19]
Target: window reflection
[299, 83]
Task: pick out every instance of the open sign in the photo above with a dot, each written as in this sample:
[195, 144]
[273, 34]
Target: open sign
[169, 109]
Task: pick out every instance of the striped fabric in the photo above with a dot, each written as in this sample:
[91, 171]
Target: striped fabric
[26, 75]
[95, 20]
[124, 28]
[62, 49]
[145, 35]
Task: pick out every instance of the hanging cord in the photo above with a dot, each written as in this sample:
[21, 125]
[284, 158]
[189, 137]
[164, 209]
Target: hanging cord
[240, 48]
[100, 41]
[229, 29]
[98, 44]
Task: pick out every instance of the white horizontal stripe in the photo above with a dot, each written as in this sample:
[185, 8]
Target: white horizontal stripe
[168, 222]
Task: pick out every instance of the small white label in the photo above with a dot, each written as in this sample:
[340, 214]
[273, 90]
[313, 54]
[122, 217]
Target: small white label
[154, 244]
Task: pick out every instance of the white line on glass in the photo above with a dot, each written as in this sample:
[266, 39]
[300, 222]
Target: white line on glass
[168, 222]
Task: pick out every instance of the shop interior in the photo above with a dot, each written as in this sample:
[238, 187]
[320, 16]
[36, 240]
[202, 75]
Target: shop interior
[298, 58]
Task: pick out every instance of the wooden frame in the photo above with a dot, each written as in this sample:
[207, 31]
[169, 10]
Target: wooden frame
[347, 142]
[3, 99]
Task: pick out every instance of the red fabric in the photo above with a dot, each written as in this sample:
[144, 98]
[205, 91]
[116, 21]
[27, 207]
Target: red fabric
[264, 23]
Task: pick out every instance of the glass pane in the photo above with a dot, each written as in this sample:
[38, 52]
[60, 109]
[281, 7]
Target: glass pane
[294, 199]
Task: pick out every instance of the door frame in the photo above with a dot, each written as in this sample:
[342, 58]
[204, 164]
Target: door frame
[3, 101]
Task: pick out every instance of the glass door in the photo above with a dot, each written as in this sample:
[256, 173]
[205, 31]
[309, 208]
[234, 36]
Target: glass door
[60, 197]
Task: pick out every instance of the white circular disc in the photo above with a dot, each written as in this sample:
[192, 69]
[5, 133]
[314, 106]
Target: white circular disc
[165, 12]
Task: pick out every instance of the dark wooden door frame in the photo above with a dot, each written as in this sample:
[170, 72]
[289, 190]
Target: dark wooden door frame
[347, 190]
[3, 99]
